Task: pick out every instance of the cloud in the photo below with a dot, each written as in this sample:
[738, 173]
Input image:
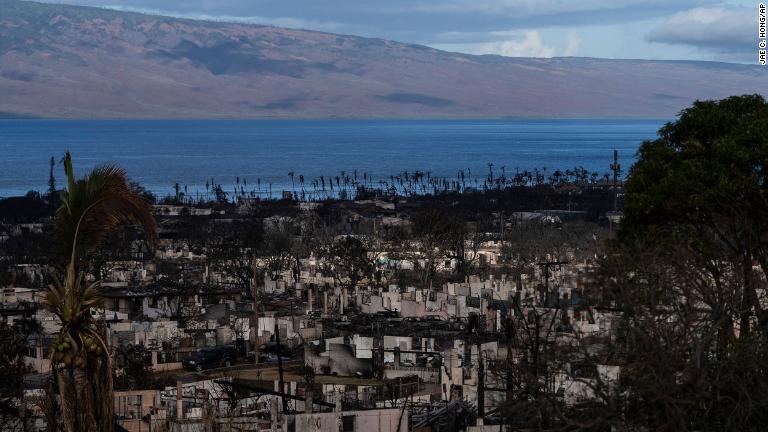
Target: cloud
[716, 29]
[572, 44]
[529, 44]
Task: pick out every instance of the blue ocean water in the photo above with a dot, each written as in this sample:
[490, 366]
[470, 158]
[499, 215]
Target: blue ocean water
[160, 153]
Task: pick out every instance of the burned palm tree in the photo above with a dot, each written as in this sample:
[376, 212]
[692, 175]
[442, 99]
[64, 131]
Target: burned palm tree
[91, 208]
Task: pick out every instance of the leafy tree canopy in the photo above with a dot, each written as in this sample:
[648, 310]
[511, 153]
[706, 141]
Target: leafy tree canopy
[705, 176]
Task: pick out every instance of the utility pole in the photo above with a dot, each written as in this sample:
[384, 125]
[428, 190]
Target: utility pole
[480, 385]
[509, 378]
[616, 168]
[380, 338]
[256, 301]
[280, 368]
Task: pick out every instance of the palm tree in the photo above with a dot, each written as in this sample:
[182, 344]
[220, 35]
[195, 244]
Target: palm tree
[91, 208]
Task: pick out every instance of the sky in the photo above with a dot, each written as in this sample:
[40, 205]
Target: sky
[648, 29]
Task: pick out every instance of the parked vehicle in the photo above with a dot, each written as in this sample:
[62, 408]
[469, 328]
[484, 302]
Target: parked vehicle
[272, 358]
[206, 358]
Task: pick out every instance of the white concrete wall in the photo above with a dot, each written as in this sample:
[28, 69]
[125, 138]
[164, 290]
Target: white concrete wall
[382, 420]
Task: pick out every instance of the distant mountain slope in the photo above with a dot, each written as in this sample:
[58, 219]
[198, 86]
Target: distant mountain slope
[77, 62]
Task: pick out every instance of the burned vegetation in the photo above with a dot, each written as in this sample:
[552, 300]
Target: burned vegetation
[559, 302]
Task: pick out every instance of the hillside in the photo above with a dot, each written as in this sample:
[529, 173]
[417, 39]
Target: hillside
[78, 62]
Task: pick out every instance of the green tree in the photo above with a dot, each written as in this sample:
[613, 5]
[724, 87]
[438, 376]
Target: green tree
[688, 269]
[91, 209]
[702, 183]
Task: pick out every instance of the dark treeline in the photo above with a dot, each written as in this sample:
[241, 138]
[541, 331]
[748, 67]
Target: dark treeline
[499, 196]
[237, 228]
[356, 184]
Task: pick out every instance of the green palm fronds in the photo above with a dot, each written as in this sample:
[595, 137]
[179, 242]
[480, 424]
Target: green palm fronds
[94, 206]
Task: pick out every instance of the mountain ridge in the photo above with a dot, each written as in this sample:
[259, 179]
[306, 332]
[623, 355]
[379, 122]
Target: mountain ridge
[61, 61]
